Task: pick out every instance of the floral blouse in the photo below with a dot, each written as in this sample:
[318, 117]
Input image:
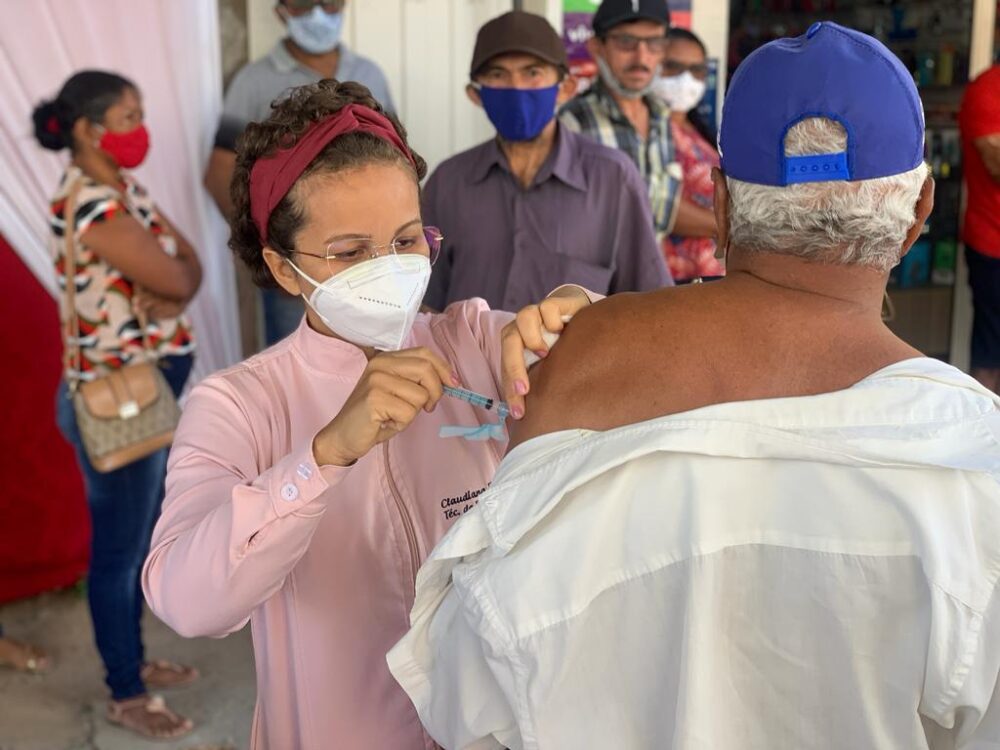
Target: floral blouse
[108, 331]
[693, 257]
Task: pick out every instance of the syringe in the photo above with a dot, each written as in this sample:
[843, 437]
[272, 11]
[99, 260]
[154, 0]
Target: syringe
[476, 399]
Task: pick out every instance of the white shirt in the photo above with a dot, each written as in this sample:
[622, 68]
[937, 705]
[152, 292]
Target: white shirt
[813, 572]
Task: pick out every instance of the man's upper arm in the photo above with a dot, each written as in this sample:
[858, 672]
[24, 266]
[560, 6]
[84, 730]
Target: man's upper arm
[977, 715]
[436, 296]
[562, 394]
[218, 178]
[668, 202]
[641, 266]
[570, 121]
[238, 108]
[381, 89]
[441, 663]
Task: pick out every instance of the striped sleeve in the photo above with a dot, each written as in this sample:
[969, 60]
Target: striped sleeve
[97, 209]
[569, 121]
[665, 196]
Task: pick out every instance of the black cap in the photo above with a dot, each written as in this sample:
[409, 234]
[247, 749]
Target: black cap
[518, 31]
[615, 12]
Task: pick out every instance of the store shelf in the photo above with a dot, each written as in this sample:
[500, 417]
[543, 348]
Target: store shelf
[923, 314]
[953, 88]
[919, 289]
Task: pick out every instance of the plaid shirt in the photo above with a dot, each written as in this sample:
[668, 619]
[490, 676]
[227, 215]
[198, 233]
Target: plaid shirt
[596, 114]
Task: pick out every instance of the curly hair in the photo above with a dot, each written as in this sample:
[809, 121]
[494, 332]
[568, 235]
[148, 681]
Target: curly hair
[290, 118]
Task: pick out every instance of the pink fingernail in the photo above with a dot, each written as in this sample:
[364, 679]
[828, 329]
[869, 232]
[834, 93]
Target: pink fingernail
[454, 379]
[520, 387]
[542, 353]
[517, 411]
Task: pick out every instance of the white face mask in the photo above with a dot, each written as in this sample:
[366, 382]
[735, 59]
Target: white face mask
[317, 32]
[681, 93]
[373, 303]
[608, 76]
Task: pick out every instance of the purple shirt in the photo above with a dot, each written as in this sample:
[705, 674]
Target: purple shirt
[585, 220]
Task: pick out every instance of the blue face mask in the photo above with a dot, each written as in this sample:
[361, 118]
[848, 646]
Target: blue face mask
[519, 114]
[317, 32]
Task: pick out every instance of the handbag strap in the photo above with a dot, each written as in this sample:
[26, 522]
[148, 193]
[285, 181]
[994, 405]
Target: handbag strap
[71, 333]
[72, 350]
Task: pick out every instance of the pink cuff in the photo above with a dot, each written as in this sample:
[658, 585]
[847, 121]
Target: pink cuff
[297, 480]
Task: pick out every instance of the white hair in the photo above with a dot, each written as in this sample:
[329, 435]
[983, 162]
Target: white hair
[861, 223]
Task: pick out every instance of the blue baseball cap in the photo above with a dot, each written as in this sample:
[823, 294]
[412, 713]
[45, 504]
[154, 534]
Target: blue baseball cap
[831, 72]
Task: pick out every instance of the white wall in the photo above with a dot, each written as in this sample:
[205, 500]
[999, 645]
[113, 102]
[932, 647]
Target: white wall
[263, 27]
[710, 21]
[551, 9]
[424, 47]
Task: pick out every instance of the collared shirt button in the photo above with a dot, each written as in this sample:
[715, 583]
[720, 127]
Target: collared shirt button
[289, 492]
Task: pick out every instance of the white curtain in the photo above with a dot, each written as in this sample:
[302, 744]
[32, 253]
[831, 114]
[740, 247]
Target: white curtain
[170, 48]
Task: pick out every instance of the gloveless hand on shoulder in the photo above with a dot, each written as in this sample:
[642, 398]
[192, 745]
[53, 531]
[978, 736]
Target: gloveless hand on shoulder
[526, 333]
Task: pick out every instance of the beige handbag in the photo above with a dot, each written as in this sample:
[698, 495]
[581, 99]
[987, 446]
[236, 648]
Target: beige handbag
[130, 412]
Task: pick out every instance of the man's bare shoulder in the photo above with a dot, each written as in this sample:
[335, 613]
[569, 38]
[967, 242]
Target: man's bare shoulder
[603, 353]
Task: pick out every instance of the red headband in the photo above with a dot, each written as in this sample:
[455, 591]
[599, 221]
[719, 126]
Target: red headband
[273, 176]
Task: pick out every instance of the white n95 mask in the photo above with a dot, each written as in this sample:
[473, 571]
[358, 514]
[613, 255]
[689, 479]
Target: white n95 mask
[681, 93]
[373, 303]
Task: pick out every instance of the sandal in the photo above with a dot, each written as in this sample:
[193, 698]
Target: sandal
[22, 657]
[148, 716]
[164, 674]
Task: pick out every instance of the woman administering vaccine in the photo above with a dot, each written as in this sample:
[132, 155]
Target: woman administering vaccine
[307, 484]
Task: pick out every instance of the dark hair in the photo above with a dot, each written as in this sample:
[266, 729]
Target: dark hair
[703, 129]
[289, 119]
[675, 33]
[89, 93]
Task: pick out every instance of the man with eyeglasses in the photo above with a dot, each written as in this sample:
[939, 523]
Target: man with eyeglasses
[628, 44]
[537, 206]
[312, 51]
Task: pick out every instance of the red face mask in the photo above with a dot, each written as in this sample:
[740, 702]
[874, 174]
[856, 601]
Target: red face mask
[127, 149]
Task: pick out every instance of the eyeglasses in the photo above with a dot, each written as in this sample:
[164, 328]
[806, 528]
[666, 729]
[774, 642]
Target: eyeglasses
[343, 253]
[630, 43]
[301, 7]
[675, 68]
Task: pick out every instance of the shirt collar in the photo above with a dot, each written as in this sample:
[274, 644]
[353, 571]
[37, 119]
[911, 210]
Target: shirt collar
[328, 353]
[283, 61]
[658, 110]
[490, 156]
[281, 58]
[563, 163]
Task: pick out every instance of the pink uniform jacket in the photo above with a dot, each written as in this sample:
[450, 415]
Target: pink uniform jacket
[320, 560]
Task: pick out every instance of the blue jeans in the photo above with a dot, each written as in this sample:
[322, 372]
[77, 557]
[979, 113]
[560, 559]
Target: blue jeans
[124, 505]
[282, 314]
